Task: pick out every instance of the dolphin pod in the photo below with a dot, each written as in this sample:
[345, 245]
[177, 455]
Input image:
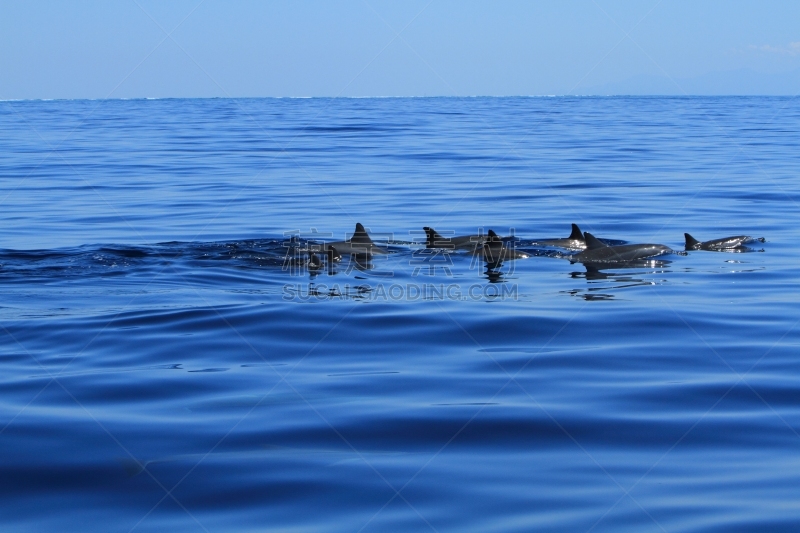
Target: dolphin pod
[495, 249]
[489, 246]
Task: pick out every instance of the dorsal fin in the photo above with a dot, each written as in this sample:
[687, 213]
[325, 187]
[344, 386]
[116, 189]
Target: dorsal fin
[360, 236]
[593, 242]
[691, 242]
[434, 240]
[576, 234]
[493, 248]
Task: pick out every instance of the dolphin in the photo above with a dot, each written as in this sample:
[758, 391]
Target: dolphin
[726, 243]
[314, 262]
[599, 252]
[494, 251]
[466, 242]
[575, 241]
[333, 254]
[359, 244]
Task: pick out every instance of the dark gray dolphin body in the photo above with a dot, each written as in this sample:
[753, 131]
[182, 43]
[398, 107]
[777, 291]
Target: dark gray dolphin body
[314, 262]
[725, 243]
[575, 241]
[599, 252]
[332, 254]
[359, 244]
[466, 242]
[495, 251]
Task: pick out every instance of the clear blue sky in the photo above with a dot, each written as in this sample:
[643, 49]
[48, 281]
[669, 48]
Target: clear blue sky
[121, 49]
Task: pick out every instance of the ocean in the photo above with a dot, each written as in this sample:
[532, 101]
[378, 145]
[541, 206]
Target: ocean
[170, 362]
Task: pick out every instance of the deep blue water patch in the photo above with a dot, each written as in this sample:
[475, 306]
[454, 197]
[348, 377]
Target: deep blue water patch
[168, 363]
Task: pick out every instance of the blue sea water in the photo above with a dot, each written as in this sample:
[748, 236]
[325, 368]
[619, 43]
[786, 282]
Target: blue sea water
[169, 363]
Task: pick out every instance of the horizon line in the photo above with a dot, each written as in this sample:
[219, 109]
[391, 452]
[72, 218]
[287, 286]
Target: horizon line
[622, 95]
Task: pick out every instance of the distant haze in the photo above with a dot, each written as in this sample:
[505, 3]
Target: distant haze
[194, 48]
